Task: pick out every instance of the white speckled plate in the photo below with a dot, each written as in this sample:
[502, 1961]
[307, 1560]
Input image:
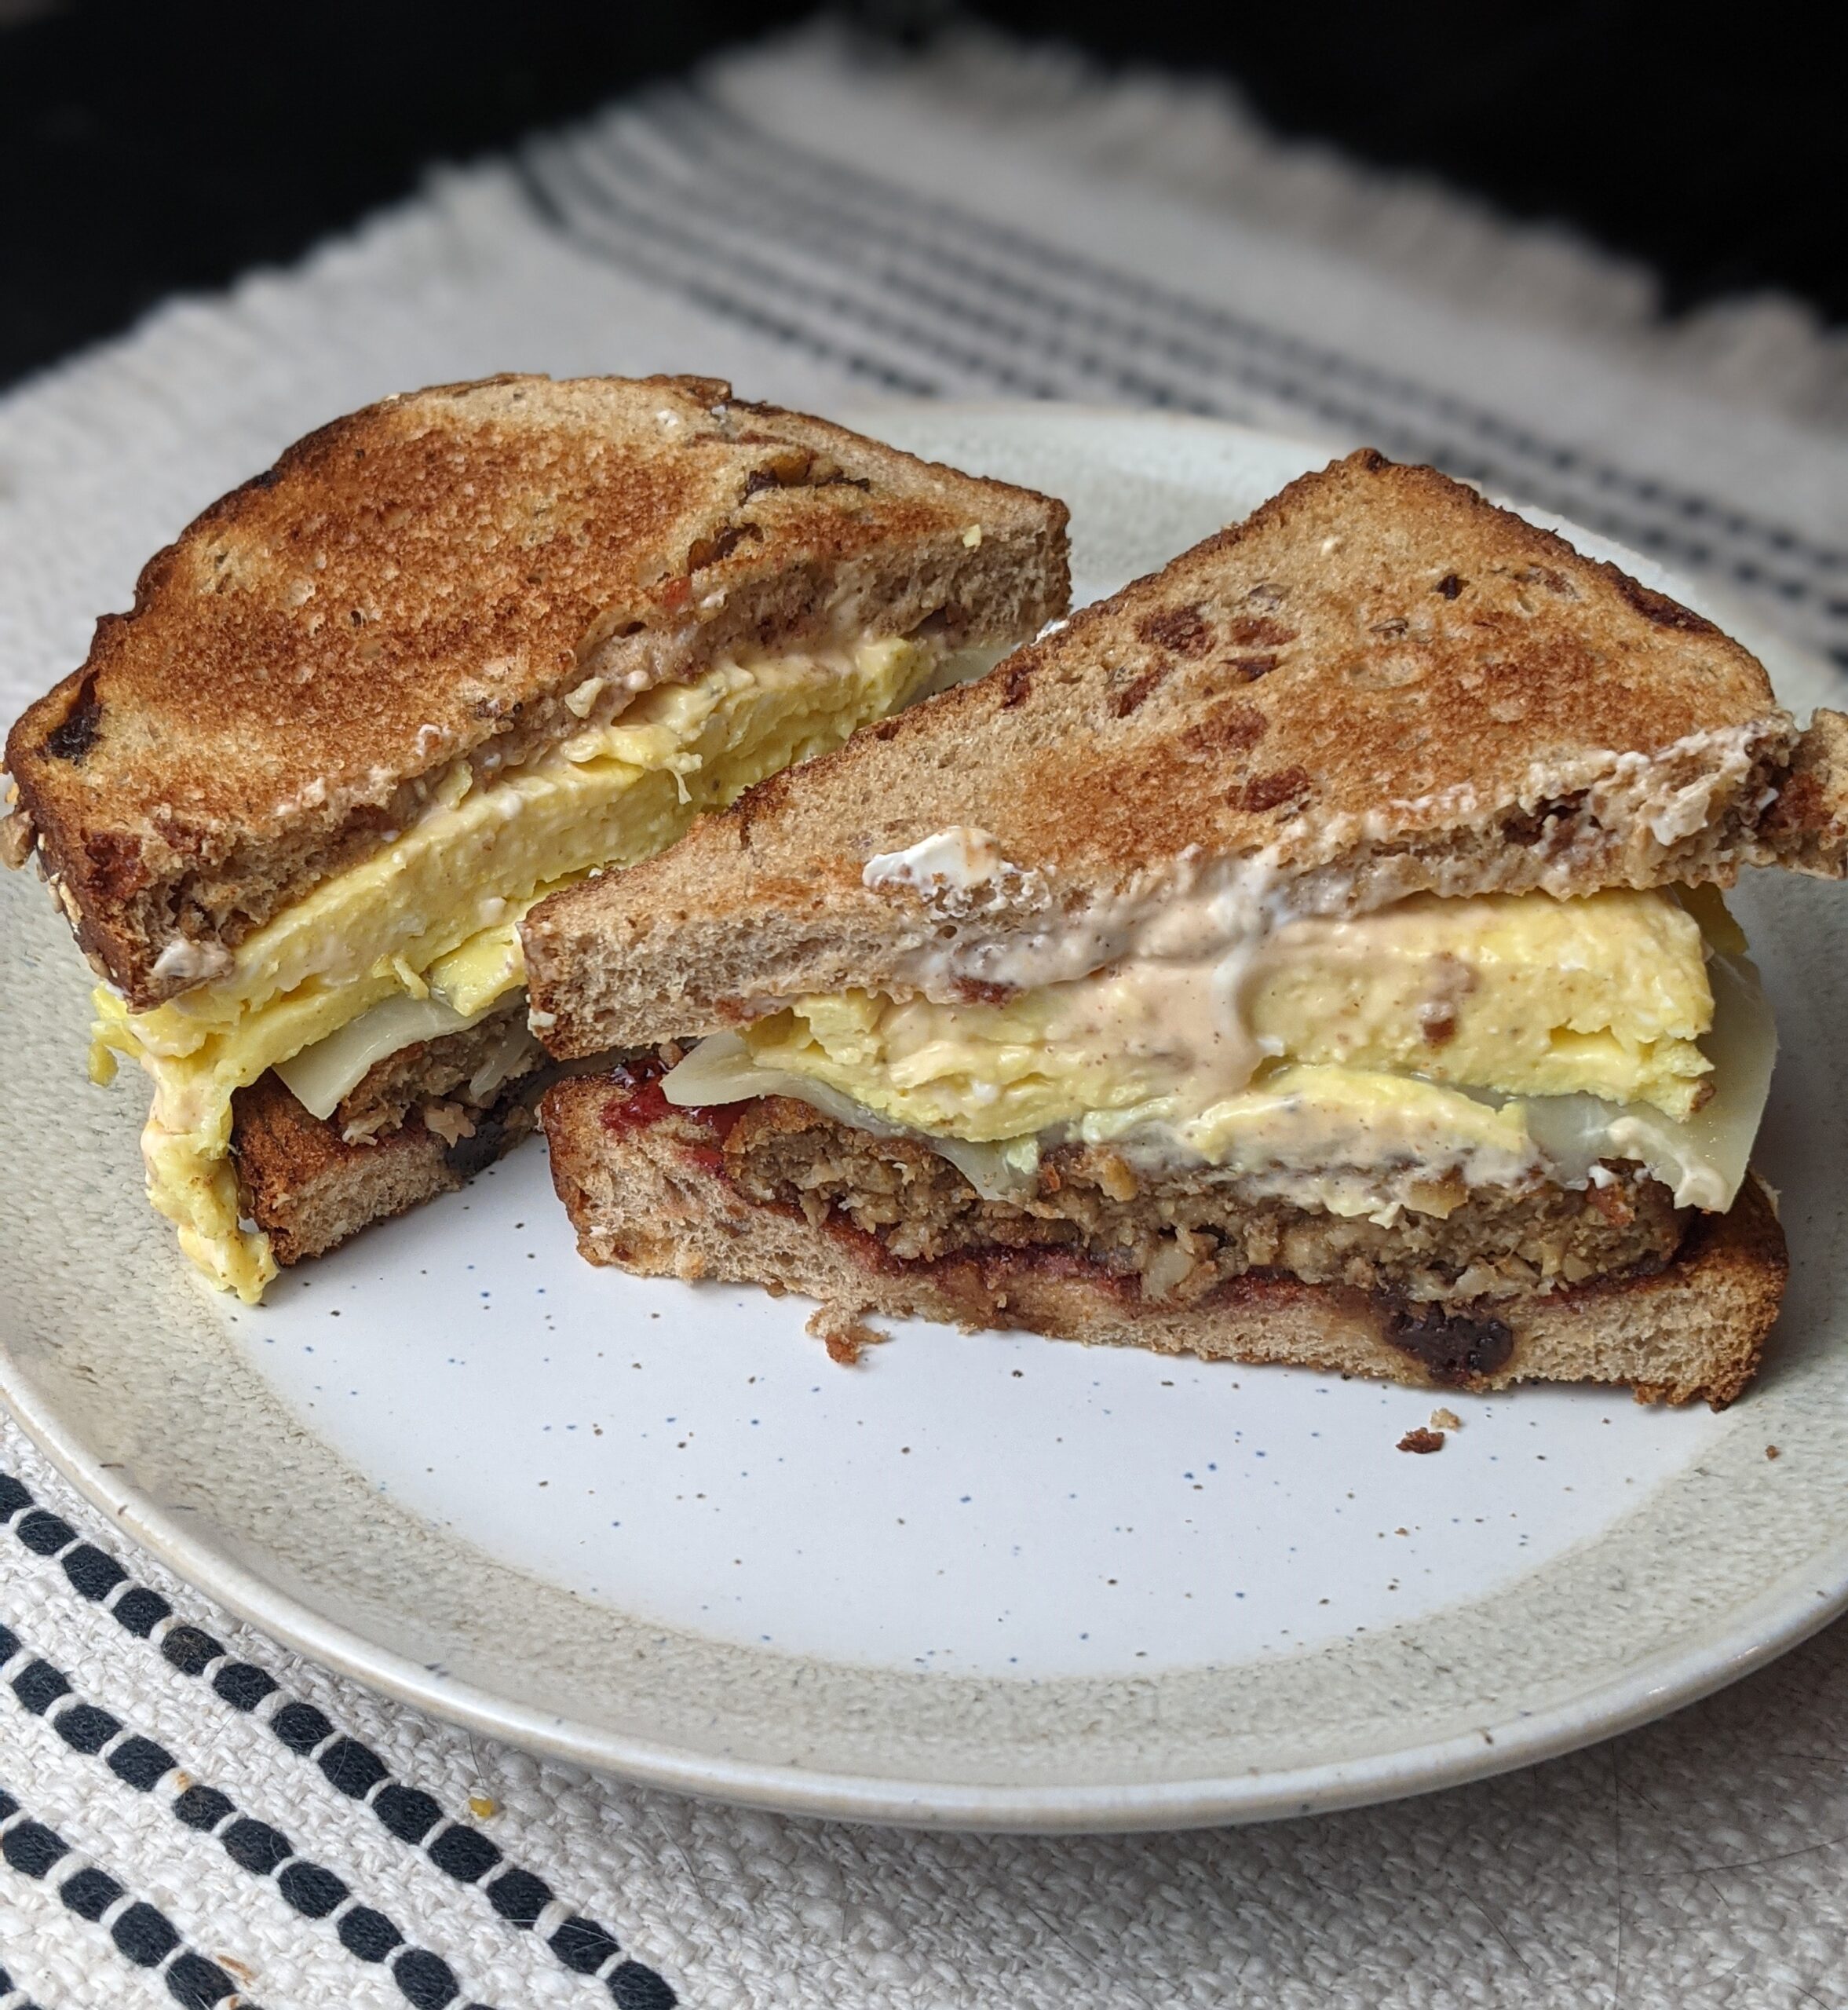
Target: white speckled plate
[980, 1580]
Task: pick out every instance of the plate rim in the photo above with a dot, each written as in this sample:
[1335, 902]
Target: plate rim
[1647, 1693]
[1751, 1636]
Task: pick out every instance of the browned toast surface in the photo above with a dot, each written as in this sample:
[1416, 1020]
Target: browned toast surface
[651, 1197]
[434, 574]
[1378, 671]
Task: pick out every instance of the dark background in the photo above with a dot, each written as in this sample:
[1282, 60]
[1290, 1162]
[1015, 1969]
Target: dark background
[150, 144]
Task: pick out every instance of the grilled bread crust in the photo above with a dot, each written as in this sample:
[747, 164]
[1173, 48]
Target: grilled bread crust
[1379, 681]
[309, 1189]
[422, 582]
[650, 1198]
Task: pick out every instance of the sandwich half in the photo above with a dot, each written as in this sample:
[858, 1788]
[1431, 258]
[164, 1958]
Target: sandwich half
[1313, 954]
[450, 654]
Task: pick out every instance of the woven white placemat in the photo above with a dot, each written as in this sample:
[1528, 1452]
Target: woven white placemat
[187, 1813]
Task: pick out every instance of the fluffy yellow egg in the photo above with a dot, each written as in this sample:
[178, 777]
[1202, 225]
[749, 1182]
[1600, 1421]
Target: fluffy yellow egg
[436, 911]
[1525, 995]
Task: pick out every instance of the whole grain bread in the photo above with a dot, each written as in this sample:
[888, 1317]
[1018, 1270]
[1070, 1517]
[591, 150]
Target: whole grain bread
[640, 1196]
[1379, 683]
[310, 1190]
[424, 583]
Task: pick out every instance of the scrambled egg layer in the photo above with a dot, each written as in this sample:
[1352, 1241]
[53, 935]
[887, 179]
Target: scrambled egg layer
[1605, 996]
[1522, 995]
[435, 912]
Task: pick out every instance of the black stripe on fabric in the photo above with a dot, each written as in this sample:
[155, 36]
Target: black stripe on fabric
[256, 1846]
[45, 1534]
[202, 1807]
[190, 1650]
[197, 1983]
[368, 1935]
[147, 1938]
[144, 1935]
[425, 1978]
[672, 239]
[139, 1763]
[467, 1855]
[583, 1946]
[242, 1685]
[141, 1933]
[312, 1891]
[408, 1812]
[349, 1766]
[519, 1896]
[31, 1848]
[139, 1610]
[93, 1574]
[848, 234]
[85, 1729]
[300, 1727]
[636, 1987]
[611, 226]
[694, 118]
[725, 211]
[91, 1893]
[462, 1852]
[8, 1985]
[704, 291]
[39, 1685]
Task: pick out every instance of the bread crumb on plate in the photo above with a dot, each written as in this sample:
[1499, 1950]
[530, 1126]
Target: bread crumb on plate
[1422, 1440]
[843, 1332]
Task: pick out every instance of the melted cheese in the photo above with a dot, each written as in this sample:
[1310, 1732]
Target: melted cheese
[434, 913]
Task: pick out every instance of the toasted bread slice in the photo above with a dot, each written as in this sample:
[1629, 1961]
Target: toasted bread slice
[1377, 684]
[422, 1122]
[653, 1197]
[308, 1189]
[426, 582]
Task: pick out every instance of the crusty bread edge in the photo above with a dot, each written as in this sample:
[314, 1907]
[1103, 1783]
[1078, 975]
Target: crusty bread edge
[309, 1191]
[88, 862]
[656, 952]
[1807, 829]
[668, 949]
[643, 1201]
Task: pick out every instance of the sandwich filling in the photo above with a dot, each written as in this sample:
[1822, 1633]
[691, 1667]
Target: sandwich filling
[1403, 1068]
[419, 940]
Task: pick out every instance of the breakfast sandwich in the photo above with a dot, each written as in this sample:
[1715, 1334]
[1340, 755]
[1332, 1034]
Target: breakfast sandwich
[1313, 954]
[450, 654]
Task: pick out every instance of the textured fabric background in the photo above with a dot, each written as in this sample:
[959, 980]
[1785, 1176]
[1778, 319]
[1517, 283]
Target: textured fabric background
[188, 1814]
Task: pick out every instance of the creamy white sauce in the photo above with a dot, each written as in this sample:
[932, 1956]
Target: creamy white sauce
[191, 963]
[960, 858]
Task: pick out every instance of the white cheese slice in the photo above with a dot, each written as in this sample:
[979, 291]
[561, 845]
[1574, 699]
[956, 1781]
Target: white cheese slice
[720, 1070]
[320, 1075]
[1703, 1157]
